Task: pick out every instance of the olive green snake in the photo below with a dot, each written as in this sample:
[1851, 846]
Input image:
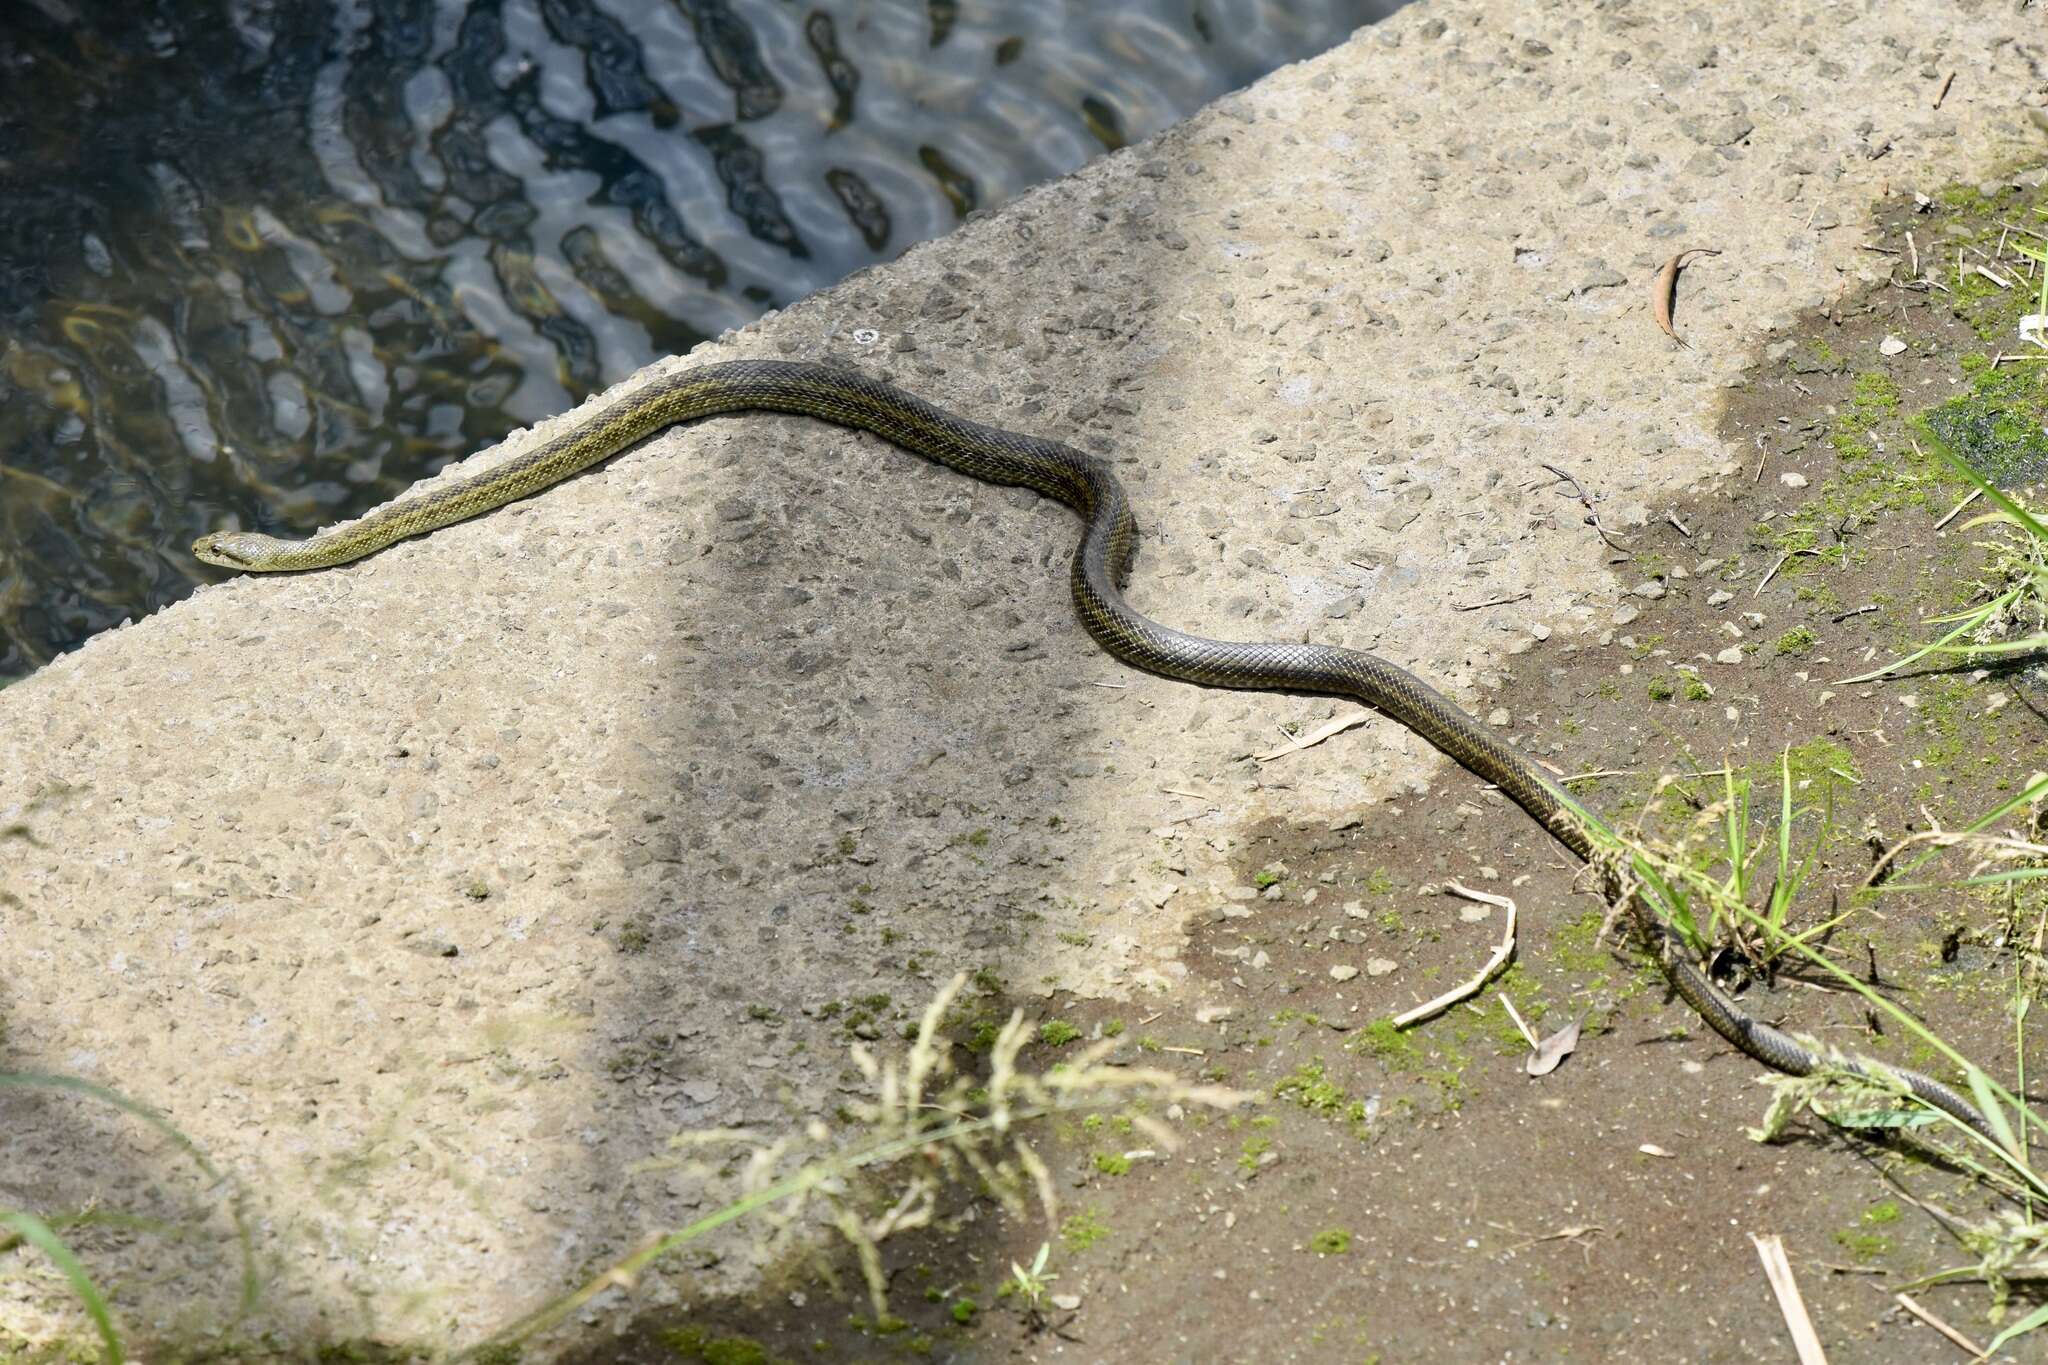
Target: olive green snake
[1100, 566]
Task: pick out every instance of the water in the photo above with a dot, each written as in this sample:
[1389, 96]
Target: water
[266, 262]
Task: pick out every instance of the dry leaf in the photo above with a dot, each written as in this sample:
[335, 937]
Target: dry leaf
[1322, 732]
[1667, 288]
[1553, 1050]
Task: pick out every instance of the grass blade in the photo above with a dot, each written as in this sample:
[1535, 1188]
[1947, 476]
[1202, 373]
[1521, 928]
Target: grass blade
[2032, 642]
[2007, 505]
[252, 1283]
[2032, 1322]
[1989, 1105]
[37, 1234]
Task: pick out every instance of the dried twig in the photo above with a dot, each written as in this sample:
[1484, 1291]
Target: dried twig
[1905, 1301]
[1975, 493]
[1493, 964]
[1316, 736]
[1778, 1270]
[1490, 602]
[1592, 517]
[1783, 559]
[1665, 292]
[1942, 94]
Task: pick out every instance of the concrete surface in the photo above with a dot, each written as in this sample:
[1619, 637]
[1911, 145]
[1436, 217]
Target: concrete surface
[429, 895]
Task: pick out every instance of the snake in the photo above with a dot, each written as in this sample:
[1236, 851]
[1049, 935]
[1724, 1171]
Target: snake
[1101, 565]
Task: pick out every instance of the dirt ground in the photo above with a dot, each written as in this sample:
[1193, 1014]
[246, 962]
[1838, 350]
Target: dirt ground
[1417, 1197]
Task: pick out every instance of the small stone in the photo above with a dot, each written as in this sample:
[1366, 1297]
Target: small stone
[1730, 655]
[1215, 1014]
[1540, 631]
[1720, 597]
[1651, 589]
[1599, 275]
[1623, 615]
[1718, 132]
[1498, 717]
[1891, 345]
[1343, 973]
[1356, 910]
[1470, 913]
[1792, 480]
[1380, 966]
[1066, 1303]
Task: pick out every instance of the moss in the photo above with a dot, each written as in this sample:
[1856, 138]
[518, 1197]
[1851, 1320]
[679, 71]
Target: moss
[1057, 1033]
[1112, 1163]
[1254, 1148]
[1330, 1242]
[1797, 640]
[695, 1344]
[963, 1311]
[1820, 760]
[1964, 199]
[1661, 689]
[1310, 1087]
[1863, 1246]
[1825, 356]
[1696, 688]
[1877, 1215]
[1521, 989]
[1873, 398]
[1083, 1230]
[1379, 882]
[1266, 879]
[1384, 1041]
[1997, 427]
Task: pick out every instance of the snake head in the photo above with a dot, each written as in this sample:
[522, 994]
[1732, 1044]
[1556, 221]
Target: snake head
[231, 549]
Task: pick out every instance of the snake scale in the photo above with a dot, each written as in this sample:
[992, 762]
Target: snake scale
[1108, 544]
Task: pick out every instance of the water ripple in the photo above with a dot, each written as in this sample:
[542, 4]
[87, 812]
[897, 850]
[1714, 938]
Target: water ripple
[270, 270]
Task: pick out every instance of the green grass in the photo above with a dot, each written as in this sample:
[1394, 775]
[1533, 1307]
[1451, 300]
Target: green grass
[42, 1231]
[2012, 619]
[1690, 886]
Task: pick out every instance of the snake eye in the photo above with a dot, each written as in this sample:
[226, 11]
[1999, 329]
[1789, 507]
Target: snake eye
[213, 548]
